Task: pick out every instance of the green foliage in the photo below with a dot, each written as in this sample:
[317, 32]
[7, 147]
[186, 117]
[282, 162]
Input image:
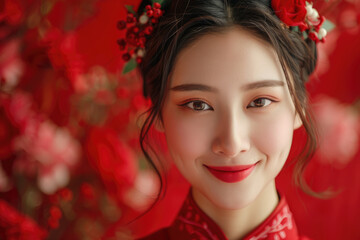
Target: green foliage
[157, 1]
[129, 66]
[328, 25]
[130, 9]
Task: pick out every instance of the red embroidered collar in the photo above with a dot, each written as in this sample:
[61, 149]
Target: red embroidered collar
[193, 223]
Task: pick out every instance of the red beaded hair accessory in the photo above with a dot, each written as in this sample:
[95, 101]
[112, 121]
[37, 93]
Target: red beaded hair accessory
[137, 28]
[296, 15]
[300, 16]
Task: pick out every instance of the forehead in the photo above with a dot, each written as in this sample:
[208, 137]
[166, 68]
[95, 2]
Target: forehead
[222, 58]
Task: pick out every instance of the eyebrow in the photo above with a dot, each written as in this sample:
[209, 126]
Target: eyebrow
[264, 83]
[206, 88]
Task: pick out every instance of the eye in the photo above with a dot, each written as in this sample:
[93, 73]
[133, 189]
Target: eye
[260, 102]
[198, 105]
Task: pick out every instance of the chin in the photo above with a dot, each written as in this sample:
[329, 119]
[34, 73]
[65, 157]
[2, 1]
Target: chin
[230, 198]
[233, 201]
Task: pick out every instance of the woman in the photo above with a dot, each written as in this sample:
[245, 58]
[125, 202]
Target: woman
[226, 81]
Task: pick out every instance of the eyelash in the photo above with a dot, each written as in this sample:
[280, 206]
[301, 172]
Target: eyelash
[270, 101]
[196, 101]
[211, 109]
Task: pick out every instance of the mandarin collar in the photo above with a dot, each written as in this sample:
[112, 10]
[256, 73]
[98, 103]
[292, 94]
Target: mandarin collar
[192, 223]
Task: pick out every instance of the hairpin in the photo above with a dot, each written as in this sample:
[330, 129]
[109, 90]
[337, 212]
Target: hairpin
[137, 28]
[296, 15]
[299, 15]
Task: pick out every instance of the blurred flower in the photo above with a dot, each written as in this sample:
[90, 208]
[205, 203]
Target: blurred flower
[114, 160]
[96, 96]
[11, 12]
[144, 191]
[53, 178]
[4, 180]
[87, 192]
[11, 15]
[122, 93]
[66, 194]
[349, 19]
[96, 78]
[338, 130]
[62, 52]
[7, 133]
[11, 66]
[19, 109]
[55, 215]
[104, 97]
[50, 102]
[55, 150]
[140, 103]
[34, 51]
[52, 149]
[14, 225]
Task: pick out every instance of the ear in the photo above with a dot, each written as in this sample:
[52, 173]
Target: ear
[297, 122]
[158, 124]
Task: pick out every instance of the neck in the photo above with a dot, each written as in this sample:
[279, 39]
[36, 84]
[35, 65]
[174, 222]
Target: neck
[237, 223]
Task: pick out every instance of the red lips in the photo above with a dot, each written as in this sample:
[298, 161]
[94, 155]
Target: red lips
[231, 174]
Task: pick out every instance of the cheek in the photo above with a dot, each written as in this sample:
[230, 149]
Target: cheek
[273, 136]
[186, 135]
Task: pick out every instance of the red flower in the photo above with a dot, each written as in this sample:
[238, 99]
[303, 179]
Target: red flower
[66, 194]
[55, 212]
[55, 215]
[14, 225]
[292, 13]
[11, 16]
[313, 36]
[62, 52]
[113, 159]
[87, 191]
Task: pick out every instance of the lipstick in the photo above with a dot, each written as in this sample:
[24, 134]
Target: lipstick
[231, 174]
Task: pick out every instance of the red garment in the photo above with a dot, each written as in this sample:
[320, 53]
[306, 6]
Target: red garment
[192, 223]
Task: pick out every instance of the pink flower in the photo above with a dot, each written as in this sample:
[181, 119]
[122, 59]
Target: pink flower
[51, 150]
[55, 150]
[144, 191]
[338, 128]
[11, 66]
[19, 109]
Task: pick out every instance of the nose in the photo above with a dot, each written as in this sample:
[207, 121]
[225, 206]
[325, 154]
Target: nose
[232, 136]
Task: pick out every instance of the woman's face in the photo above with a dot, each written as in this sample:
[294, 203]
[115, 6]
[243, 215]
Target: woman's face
[228, 117]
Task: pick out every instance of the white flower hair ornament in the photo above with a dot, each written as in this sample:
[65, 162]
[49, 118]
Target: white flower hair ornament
[300, 16]
[295, 15]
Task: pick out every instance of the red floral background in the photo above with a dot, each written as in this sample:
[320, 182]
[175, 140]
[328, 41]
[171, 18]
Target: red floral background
[70, 163]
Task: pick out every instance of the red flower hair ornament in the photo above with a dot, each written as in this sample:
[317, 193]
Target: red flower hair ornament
[301, 16]
[296, 15]
[137, 28]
